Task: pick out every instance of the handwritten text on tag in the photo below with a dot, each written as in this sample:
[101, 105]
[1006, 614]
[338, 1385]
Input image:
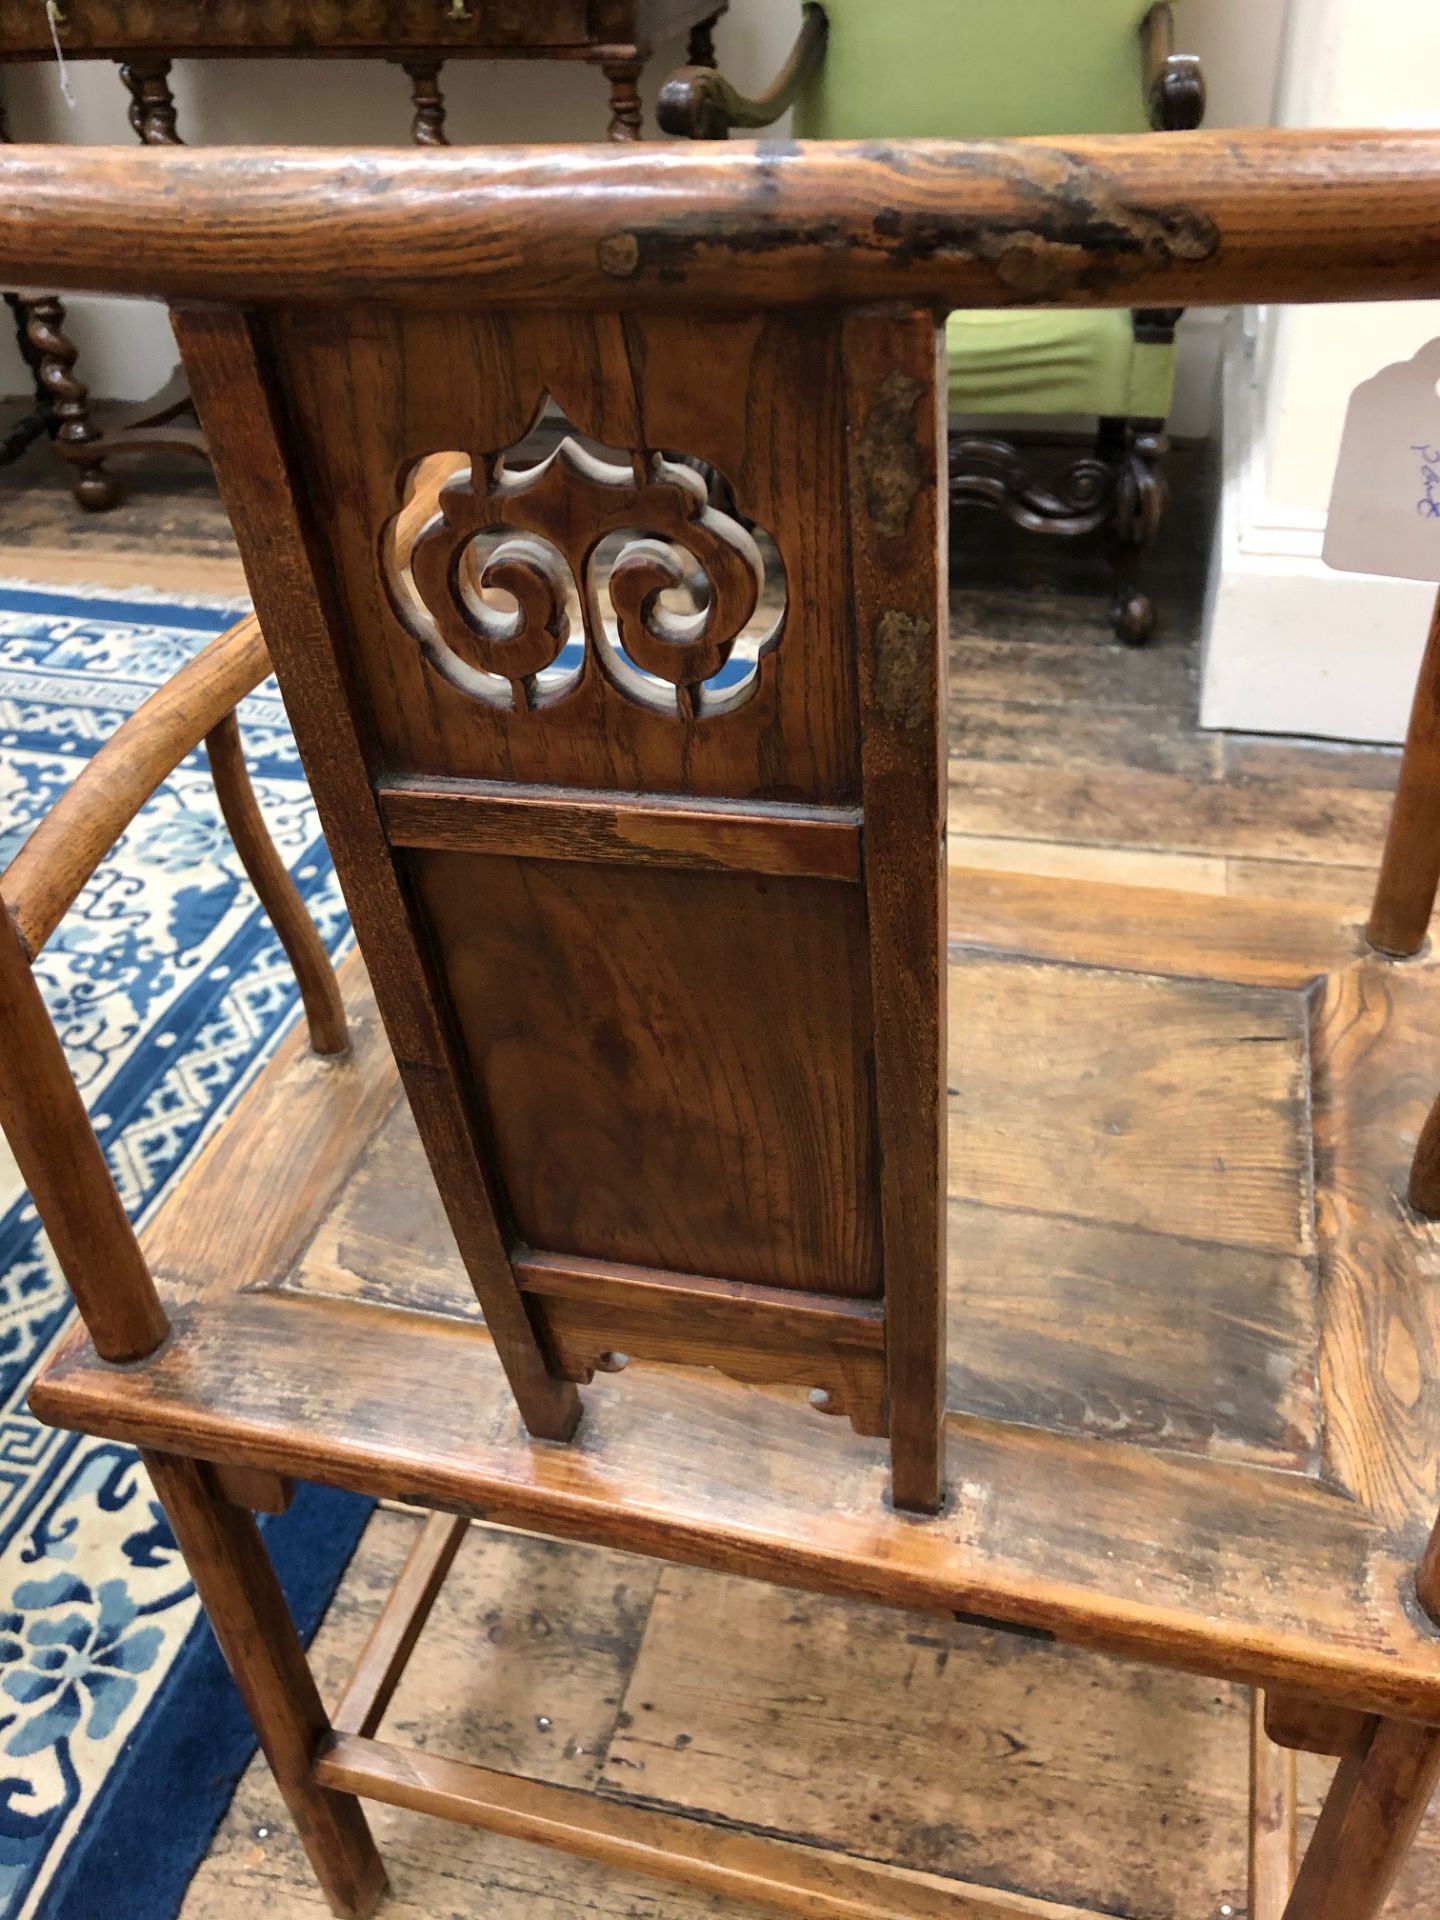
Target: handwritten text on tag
[1385, 507]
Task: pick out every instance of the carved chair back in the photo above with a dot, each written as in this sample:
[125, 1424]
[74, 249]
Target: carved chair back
[628, 747]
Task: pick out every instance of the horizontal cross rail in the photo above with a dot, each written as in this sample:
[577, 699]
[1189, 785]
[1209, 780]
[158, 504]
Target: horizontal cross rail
[1184, 219]
[785, 1875]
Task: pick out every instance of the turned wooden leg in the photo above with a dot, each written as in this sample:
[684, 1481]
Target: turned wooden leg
[152, 105]
[238, 1589]
[305, 950]
[626, 113]
[701, 50]
[1135, 448]
[76, 434]
[427, 126]
[1377, 1801]
[30, 426]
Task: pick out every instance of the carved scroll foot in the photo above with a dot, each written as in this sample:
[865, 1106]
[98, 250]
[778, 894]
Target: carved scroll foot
[627, 116]
[1138, 446]
[76, 434]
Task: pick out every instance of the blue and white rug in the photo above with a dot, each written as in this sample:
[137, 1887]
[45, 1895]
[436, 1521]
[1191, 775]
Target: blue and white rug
[120, 1739]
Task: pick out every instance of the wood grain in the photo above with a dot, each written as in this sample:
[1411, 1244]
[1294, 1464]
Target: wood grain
[775, 1874]
[1186, 219]
[294, 606]
[247, 1611]
[673, 1071]
[63, 1165]
[1164, 1081]
[897, 529]
[304, 949]
[41, 882]
[628, 830]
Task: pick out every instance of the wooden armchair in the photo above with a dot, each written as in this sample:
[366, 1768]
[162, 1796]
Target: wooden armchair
[980, 69]
[637, 813]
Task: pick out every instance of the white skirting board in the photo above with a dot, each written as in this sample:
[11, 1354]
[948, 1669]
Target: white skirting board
[1291, 646]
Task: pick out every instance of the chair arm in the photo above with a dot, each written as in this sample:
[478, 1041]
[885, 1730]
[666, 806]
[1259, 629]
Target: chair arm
[1174, 82]
[40, 884]
[699, 103]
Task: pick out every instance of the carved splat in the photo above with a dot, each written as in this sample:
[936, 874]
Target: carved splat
[528, 577]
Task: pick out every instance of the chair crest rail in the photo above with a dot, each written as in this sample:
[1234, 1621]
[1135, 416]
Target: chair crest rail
[1149, 220]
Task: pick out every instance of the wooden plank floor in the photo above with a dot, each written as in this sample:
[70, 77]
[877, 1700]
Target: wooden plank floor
[958, 1750]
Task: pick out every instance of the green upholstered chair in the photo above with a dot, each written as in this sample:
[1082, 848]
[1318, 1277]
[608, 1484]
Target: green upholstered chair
[955, 69]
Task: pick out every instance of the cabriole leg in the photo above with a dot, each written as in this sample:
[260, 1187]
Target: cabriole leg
[241, 1595]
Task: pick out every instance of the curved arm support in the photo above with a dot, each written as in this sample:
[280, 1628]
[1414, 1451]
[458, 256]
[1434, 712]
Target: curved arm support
[41, 882]
[305, 950]
[1174, 82]
[699, 103]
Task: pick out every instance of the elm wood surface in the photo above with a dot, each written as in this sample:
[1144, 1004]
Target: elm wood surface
[63, 1165]
[1371, 1814]
[750, 1867]
[1255, 1546]
[618, 36]
[894, 401]
[660, 1068]
[247, 1611]
[305, 950]
[964, 1752]
[293, 602]
[674, 1065]
[1126, 1792]
[66, 846]
[1123, 220]
[1275, 1577]
[492, 816]
[382, 1660]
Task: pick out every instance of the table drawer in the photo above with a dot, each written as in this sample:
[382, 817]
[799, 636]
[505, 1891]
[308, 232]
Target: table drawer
[99, 28]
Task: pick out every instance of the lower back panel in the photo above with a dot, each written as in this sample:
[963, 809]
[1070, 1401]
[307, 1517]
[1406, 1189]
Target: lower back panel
[675, 1066]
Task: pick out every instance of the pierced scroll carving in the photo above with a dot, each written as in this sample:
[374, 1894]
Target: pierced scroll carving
[526, 578]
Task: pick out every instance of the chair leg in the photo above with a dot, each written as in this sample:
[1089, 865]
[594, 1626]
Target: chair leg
[1137, 447]
[1410, 866]
[1424, 1189]
[240, 1593]
[1375, 1804]
[319, 989]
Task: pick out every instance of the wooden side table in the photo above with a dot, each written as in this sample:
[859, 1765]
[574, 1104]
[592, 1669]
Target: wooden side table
[144, 36]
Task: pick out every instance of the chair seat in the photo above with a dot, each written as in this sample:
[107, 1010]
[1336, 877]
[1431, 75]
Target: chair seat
[1193, 1401]
[1042, 361]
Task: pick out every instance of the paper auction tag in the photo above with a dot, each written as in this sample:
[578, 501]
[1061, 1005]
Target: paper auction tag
[1385, 507]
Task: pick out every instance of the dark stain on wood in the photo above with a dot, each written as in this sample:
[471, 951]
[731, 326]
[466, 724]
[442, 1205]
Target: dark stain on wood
[903, 644]
[892, 463]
